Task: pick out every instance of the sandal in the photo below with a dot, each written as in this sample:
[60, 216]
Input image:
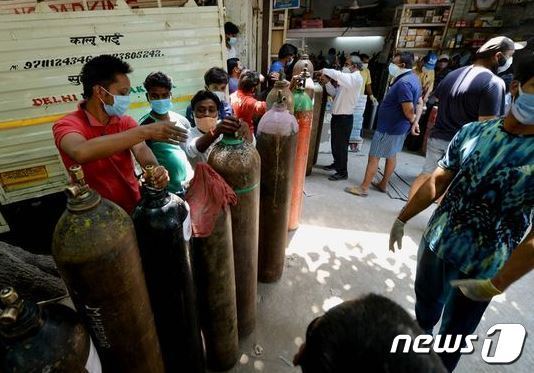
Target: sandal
[377, 187]
[357, 191]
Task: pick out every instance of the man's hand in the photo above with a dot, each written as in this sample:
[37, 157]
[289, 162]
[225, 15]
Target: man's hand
[373, 100]
[415, 129]
[166, 131]
[478, 290]
[274, 76]
[395, 235]
[160, 177]
[230, 125]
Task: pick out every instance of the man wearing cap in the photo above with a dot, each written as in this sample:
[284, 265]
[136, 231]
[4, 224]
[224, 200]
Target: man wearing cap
[425, 72]
[442, 69]
[468, 94]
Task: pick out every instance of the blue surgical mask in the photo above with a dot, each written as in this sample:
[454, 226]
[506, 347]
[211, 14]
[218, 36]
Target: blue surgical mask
[523, 107]
[232, 41]
[161, 106]
[394, 70]
[120, 104]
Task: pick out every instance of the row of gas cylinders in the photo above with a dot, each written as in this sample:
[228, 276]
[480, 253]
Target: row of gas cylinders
[153, 302]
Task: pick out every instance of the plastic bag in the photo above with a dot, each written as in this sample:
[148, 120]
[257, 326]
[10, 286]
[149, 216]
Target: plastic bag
[207, 195]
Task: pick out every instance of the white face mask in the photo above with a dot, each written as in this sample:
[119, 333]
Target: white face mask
[394, 70]
[221, 95]
[345, 69]
[365, 65]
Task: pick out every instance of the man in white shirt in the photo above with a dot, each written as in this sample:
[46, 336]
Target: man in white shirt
[346, 93]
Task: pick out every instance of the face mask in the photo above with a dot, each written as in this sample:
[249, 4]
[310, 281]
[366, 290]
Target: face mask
[205, 124]
[345, 69]
[120, 104]
[523, 107]
[232, 41]
[504, 64]
[220, 95]
[365, 65]
[161, 106]
[394, 70]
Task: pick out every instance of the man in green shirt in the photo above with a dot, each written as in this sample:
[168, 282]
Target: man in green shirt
[158, 86]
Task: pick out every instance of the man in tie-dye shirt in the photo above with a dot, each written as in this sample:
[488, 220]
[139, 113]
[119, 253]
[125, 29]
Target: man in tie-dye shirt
[488, 176]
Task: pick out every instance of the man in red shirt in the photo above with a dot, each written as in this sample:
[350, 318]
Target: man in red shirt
[244, 104]
[100, 138]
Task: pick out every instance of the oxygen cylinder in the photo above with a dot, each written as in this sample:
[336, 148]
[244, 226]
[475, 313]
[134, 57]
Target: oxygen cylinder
[238, 163]
[96, 252]
[304, 116]
[216, 289]
[320, 120]
[163, 228]
[315, 134]
[276, 143]
[43, 338]
[281, 87]
[305, 63]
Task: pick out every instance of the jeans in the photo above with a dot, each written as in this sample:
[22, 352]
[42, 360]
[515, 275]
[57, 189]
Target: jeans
[341, 127]
[435, 295]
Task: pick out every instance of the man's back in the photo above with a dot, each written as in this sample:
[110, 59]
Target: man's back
[465, 95]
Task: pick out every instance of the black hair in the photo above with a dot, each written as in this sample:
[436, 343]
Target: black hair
[407, 58]
[231, 63]
[360, 333]
[231, 28]
[287, 50]
[364, 56]
[102, 70]
[524, 70]
[157, 79]
[215, 75]
[248, 80]
[205, 95]
[332, 51]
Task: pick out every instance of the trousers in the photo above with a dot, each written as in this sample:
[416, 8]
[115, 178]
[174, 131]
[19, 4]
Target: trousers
[341, 127]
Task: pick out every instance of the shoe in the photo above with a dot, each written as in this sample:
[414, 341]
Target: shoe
[331, 167]
[337, 177]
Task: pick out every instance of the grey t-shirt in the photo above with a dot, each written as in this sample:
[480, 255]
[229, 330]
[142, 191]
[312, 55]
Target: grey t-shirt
[464, 95]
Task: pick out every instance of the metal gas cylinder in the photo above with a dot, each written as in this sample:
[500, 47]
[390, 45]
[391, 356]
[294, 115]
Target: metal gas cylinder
[96, 252]
[276, 143]
[47, 338]
[304, 115]
[163, 226]
[305, 63]
[238, 163]
[315, 134]
[216, 289]
[281, 87]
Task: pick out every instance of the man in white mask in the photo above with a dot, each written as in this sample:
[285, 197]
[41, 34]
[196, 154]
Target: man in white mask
[468, 94]
[349, 83]
[209, 127]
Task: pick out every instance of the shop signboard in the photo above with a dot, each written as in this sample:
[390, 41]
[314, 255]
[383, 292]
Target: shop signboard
[286, 4]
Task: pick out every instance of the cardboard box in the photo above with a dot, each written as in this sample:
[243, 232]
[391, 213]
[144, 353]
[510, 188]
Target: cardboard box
[412, 31]
[419, 38]
[312, 23]
[410, 44]
[410, 38]
[401, 44]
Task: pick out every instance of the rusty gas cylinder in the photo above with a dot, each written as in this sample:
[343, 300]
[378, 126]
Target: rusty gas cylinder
[315, 135]
[238, 163]
[277, 138]
[305, 63]
[304, 115]
[213, 260]
[96, 252]
[43, 338]
[281, 87]
[163, 226]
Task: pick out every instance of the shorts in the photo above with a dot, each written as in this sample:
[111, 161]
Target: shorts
[435, 150]
[385, 145]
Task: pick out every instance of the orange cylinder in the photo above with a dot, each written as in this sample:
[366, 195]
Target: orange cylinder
[304, 115]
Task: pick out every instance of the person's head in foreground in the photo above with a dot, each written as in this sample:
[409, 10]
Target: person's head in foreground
[206, 106]
[356, 336]
[249, 81]
[522, 90]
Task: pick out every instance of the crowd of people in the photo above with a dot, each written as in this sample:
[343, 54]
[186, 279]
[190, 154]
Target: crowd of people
[479, 159]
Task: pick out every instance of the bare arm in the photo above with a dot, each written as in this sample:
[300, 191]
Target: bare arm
[144, 155]
[369, 90]
[429, 192]
[520, 263]
[418, 112]
[484, 118]
[409, 112]
[82, 150]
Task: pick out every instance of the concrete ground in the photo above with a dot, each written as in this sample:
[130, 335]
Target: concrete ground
[340, 253]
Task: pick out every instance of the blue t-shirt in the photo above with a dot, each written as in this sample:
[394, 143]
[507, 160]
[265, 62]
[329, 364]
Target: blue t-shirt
[233, 83]
[391, 118]
[490, 202]
[277, 67]
[464, 95]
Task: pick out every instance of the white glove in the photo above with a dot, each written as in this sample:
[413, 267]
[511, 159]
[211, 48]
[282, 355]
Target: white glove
[396, 234]
[479, 290]
[373, 100]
